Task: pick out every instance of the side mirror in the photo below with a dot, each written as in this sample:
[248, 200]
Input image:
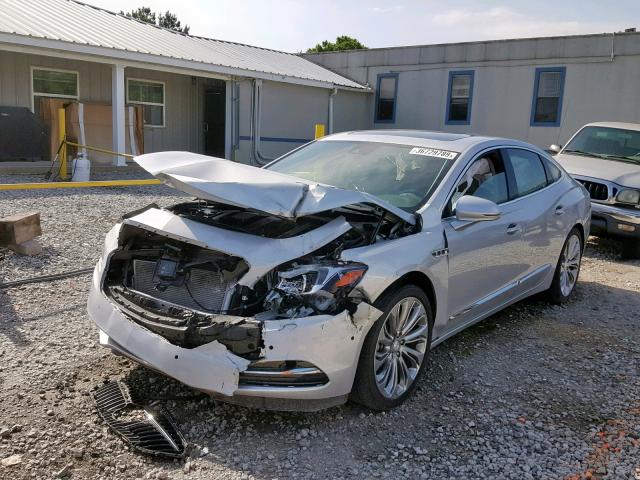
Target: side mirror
[476, 209]
[555, 148]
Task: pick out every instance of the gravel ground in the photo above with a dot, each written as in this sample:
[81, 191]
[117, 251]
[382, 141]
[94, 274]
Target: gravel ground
[536, 391]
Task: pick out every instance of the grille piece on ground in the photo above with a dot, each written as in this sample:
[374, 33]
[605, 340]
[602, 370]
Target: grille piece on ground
[148, 429]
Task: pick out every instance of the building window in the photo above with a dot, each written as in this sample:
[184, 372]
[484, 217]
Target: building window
[548, 88]
[53, 83]
[150, 95]
[386, 96]
[459, 98]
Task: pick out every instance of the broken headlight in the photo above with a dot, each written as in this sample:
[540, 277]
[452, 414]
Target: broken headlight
[307, 289]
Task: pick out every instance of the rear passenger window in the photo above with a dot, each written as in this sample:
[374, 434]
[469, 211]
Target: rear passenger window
[528, 171]
[553, 172]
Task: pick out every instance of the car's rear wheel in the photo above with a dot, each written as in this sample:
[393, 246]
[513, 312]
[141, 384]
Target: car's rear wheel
[631, 248]
[396, 349]
[568, 268]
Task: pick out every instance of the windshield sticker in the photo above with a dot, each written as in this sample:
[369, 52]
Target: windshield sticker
[434, 152]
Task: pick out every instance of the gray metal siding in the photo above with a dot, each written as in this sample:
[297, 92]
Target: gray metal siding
[15, 77]
[597, 85]
[289, 112]
[181, 102]
[351, 111]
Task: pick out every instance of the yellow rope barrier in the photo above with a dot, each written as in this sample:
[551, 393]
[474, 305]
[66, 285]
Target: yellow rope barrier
[96, 149]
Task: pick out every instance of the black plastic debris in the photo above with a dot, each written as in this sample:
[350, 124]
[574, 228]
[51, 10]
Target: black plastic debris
[149, 429]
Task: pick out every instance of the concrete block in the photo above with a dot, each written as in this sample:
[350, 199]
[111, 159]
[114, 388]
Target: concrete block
[19, 228]
[30, 247]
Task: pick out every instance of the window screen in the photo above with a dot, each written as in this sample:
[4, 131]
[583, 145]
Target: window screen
[460, 90]
[528, 171]
[387, 87]
[548, 96]
[53, 82]
[151, 96]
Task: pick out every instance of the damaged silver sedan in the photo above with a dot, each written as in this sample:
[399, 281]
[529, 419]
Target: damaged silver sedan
[332, 272]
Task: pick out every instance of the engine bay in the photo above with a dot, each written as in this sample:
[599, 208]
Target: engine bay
[193, 295]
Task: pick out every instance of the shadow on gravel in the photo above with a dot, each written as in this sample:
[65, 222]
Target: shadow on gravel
[9, 319]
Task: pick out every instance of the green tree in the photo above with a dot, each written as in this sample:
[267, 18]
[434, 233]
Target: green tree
[170, 21]
[343, 42]
[164, 20]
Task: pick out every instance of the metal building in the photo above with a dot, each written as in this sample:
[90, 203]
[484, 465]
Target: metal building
[202, 95]
[540, 90]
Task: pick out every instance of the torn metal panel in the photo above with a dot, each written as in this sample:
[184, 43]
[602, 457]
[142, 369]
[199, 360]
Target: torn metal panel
[332, 341]
[224, 181]
[262, 254]
[210, 367]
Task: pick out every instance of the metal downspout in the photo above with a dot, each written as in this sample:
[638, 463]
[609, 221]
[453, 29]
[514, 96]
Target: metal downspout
[333, 93]
[256, 112]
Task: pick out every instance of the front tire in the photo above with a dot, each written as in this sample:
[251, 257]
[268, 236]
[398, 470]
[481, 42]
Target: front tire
[396, 349]
[568, 268]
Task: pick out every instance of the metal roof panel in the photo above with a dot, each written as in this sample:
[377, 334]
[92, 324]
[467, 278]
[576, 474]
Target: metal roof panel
[74, 22]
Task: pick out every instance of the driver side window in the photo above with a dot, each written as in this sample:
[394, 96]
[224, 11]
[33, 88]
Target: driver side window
[485, 178]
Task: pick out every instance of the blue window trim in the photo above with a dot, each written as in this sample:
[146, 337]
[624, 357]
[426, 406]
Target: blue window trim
[395, 98]
[536, 81]
[456, 73]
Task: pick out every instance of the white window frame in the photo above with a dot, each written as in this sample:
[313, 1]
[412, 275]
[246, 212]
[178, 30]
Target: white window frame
[163, 104]
[35, 94]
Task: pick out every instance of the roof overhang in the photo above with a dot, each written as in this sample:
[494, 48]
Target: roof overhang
[111, 56]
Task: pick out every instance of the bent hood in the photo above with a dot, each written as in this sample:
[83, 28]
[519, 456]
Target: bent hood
[232, 183]
[622, 173]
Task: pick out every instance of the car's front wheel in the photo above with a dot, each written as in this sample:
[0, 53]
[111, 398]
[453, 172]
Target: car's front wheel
[567, 269]
[395, 351]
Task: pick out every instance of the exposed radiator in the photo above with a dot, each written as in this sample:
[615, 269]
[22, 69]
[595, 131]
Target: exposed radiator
[203, 289]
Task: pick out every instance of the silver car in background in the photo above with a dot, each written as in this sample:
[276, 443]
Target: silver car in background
[331, 273]
[605, 158]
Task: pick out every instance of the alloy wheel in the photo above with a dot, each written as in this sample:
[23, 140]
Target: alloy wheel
[570, 265]
[401, 348]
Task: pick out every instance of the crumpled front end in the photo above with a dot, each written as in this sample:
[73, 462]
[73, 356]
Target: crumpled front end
[272, 316]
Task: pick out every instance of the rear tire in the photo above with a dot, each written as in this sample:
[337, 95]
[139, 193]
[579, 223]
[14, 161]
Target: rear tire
[631, 248]
[396, 349]
[567, 269]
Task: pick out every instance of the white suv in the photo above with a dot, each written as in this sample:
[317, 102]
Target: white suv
[605, 158]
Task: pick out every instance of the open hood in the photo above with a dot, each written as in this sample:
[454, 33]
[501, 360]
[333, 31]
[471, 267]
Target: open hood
[224, 181]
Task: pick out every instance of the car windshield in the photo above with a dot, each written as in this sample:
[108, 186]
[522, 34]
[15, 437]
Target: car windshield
[402, 175]
[604, 142]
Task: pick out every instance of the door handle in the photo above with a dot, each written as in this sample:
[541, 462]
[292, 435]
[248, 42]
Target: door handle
[206, 126]
[513, 228]
[559, 210]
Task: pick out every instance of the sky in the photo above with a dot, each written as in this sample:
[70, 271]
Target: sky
[294, 26]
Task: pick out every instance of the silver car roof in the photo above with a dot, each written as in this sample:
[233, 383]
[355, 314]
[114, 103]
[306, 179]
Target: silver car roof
[454, 142]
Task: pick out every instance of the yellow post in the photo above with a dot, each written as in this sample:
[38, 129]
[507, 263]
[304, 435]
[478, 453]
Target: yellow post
[319, 130]
[62, 136]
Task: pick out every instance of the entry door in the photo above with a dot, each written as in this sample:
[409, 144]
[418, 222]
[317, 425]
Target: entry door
[214, 120]
[485, 258]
